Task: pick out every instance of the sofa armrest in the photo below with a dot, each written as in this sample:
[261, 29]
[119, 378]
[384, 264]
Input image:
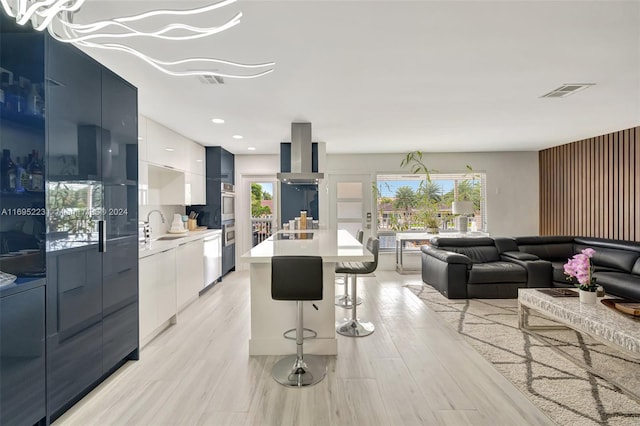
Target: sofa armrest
[518, 255]
[447, 256]
[446, 271]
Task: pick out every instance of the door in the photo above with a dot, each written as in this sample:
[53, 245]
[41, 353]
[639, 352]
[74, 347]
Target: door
[350, 203]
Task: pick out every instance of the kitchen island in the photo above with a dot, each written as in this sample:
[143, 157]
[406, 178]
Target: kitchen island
[270, 318]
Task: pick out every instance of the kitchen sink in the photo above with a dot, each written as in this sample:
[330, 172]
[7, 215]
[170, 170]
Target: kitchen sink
[170, 237]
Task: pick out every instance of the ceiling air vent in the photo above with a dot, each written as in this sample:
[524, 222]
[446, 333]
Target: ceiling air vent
[566, 90]
[211, 79]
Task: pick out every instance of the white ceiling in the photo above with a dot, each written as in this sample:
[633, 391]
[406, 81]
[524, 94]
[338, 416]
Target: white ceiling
[394, 76]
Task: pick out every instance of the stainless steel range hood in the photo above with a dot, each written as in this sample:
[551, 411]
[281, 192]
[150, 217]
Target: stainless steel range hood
[301, 157]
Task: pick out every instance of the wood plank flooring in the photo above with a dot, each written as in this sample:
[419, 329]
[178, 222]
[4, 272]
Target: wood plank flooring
[413, 370]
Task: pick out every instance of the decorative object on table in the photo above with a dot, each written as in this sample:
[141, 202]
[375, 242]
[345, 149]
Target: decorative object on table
[581, 268]
[631, 307]
[462, 209]
[57, 16]
[177, 226]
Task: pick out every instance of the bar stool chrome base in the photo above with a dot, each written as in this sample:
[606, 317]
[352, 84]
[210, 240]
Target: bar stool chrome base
[345, 301]
[294, 372]
[354, 328]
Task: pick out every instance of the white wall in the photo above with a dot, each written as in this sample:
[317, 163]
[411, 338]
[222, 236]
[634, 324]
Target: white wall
[512, 182]
[512, 185]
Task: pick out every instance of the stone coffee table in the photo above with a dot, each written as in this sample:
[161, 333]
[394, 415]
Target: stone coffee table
[608, 326]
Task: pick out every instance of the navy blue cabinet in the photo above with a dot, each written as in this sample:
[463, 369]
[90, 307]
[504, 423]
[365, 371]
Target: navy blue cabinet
[227, 167]
[81, 119]
[220, 169]
[22, 358]
[120, 253]
[92, 299]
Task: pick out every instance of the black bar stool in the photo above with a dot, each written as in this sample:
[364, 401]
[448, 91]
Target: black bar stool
[345, 300]
[298, 278]
[355, 327]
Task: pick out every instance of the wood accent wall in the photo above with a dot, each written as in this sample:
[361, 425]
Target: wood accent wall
[591, 187]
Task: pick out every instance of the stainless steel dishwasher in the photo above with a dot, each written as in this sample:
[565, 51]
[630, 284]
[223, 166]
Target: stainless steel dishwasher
[212, 259]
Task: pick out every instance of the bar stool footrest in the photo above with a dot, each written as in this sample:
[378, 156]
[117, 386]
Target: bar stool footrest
[345, 301]
[313, 334]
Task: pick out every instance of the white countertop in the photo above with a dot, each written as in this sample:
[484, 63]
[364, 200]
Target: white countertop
[332, 246]
[158, 246]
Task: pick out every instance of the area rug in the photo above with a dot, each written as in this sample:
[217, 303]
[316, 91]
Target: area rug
[567, 393]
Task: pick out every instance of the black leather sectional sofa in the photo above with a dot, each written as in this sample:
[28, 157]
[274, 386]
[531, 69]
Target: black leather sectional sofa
[463, 268]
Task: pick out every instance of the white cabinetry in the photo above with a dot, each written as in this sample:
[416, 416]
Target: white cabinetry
[157, 293]
[165, 147]
[195, 191]
[197, 155]
[142, 138]
[166, 186]
[190, 271]
[171, 167]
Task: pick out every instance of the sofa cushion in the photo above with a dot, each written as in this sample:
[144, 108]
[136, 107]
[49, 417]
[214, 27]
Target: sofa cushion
[480, 254]
[497, 272]
[620, 284]
[620, 260]
[555, 251]
[559, 275]
[479, 250]
[636, 268]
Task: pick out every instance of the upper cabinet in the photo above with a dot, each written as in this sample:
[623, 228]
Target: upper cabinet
[197, 156]
[142, 138]
[172, 167]
[165, 147]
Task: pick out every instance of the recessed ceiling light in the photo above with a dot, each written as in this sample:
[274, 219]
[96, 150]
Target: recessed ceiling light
[237, 136]
[169, 149]
[252, 148]
[218, 120]
[140, 138]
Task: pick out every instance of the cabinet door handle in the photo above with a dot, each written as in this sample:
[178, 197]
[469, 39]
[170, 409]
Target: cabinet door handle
[102, 236]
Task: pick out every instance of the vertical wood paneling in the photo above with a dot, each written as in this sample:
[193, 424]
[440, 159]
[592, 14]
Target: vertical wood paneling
[592, 187]
[636, 179]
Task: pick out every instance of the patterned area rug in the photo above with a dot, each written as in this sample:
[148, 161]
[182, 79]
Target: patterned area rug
[567, 393]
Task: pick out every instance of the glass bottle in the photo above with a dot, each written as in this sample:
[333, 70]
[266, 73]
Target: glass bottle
[4, 168]
[20, 175]
[25, 179]
[37, 173]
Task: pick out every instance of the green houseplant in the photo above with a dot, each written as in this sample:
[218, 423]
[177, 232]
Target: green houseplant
[426, 214]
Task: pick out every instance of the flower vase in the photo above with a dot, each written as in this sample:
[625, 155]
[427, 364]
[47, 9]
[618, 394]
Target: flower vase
[588, 297]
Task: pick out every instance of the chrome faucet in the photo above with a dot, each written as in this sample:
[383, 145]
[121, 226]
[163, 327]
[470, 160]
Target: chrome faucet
[155, 210]
[147, 237]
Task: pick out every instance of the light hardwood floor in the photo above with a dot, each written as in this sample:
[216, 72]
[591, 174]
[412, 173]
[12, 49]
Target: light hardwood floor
[414, 370]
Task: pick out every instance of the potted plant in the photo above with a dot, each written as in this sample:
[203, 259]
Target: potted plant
[579, 270]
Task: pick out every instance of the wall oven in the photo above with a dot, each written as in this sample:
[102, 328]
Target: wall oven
[228, 202]
[228, 234]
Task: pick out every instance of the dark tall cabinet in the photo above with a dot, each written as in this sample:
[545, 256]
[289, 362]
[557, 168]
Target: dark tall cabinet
[88, 237]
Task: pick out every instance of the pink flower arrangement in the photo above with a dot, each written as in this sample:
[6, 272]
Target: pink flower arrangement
[580, 268]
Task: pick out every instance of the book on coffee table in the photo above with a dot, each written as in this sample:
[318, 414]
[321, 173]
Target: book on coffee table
[559, 292]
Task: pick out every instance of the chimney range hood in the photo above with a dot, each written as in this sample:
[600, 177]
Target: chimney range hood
[301, 171]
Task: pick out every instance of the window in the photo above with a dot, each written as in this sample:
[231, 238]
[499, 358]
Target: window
[412, 203]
